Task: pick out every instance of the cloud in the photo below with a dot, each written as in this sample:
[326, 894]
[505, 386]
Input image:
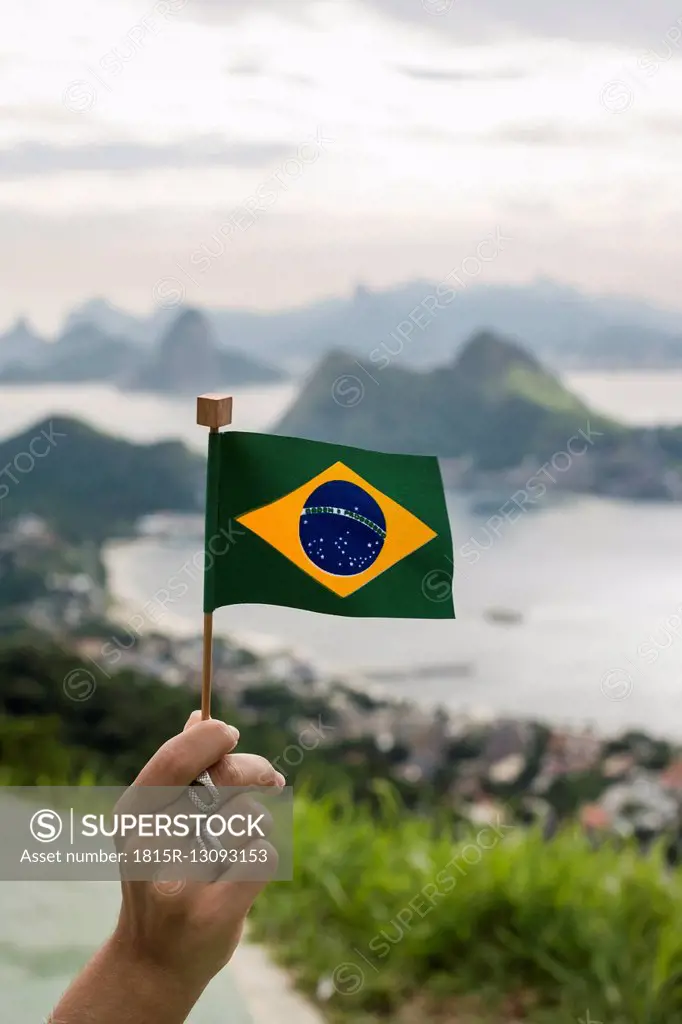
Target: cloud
[297, 79]
[632, 22]
[246, 68]
[663, 127]
[40, 114]
[543, 133]
[39, 159]
[615, 21]
[550, 134]
[252, 69]
[462, 75]
[221, 11]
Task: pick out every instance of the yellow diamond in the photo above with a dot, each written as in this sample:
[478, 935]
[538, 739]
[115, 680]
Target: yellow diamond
[279, 524]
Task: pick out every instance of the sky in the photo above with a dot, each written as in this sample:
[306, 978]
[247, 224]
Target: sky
[268, 154]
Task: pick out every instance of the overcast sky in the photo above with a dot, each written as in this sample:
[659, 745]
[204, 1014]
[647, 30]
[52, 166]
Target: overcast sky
[373, 140]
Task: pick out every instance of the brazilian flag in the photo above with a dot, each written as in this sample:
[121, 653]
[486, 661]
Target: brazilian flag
[326, 528]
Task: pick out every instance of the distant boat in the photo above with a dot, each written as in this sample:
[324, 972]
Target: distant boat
[504, 616]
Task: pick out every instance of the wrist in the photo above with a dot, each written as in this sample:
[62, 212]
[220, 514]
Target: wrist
[118, 985]
[155, 990]
[125, 954]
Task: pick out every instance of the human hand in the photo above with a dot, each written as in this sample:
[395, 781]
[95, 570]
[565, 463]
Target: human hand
[173, 937]
[193, 928]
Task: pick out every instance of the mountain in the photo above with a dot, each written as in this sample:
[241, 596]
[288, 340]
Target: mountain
[424, 325]
[82, 353]
[420, 323]
[561, 325]
[494, 415]
[186, 359]
[89, 485]
[494, 402]
[189, 360]
[21, 344]
[263, 333]
[110, 320]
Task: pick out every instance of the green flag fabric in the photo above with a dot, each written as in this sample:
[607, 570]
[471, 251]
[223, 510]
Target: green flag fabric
[326, 528]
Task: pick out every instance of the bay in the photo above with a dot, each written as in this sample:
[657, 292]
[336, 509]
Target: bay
[136, 415]
[643, 398]
[595, 588]
[591, 583]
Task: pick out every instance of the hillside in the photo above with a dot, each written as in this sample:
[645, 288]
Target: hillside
[189, 360]
[494, 415]
[89, 485]
[494, 403]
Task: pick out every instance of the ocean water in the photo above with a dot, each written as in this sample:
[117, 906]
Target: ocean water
[645, 398]
[573, 613]
[135, 415]
[589, 590]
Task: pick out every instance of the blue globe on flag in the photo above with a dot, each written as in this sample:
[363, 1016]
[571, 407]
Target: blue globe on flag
[342, 528]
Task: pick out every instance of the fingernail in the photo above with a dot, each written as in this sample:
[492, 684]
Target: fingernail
[281, 781]
[232, 730]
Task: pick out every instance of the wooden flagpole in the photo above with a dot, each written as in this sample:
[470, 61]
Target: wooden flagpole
[214, 412]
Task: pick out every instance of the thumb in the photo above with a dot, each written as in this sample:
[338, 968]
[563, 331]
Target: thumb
[193, 719]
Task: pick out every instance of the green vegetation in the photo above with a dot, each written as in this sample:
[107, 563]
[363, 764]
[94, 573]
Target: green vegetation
[89, 486]
[111, 734]
[21, 584]
[32, 753]
[126, 717]
[544, 389]
[415, 923]
[413, 915]
[25, 571]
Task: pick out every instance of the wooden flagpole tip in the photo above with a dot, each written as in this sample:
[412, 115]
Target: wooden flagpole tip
[214, 411]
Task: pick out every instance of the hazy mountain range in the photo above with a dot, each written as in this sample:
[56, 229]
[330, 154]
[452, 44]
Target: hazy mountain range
[186, 359]
[417, 323]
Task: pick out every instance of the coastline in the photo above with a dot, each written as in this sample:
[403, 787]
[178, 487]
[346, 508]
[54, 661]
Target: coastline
[571, 655]
[484, 767]
[287, 663]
